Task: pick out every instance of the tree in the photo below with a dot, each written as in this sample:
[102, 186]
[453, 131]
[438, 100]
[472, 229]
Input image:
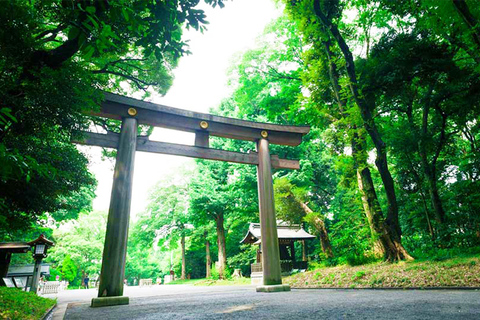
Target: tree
[291, 206]
[55, 58]
[69, 269]
[210, 198]
[331, 48]
[436, 99]
[81, 240]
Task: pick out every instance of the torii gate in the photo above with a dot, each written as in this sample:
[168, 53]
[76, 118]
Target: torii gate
[133, 112]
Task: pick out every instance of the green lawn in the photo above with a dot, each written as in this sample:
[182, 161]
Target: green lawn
[21, 305]
[187, 281]
[457, 272]
[211, 282]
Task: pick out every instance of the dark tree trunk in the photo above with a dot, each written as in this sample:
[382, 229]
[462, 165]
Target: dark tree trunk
[470, 20]
[430, 167]
[183, 275]
[222, 253]
[435, 198]
[209, 259]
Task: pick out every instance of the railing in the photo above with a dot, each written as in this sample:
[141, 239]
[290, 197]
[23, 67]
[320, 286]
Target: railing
[50, 287]
[145, 282]
[300, 265]
[256, 267]
[285, 265]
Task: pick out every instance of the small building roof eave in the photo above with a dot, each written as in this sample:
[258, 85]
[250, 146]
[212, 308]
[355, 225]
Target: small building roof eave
[14, 247]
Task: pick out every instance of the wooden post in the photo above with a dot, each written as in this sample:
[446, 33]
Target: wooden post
[272, 276]
[209, 260]
[115, 248]
[304, 251]
[293, 251]
[202, 139]
[5, 258]
[37, 269]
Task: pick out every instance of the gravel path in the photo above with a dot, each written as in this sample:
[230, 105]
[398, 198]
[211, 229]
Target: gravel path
[244, 303]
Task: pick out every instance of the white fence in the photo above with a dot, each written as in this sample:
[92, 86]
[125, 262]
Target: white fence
[51, 287]
[145, 282]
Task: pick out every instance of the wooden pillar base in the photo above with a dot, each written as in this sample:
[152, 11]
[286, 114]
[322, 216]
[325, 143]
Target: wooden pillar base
[109, 301]
[274, 288]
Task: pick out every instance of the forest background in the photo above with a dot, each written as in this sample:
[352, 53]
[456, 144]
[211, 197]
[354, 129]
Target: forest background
[389, 171]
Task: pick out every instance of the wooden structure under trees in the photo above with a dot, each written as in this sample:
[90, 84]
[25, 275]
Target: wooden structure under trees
[287, 234]
[133, 112]
[39, 246]
[6, 251]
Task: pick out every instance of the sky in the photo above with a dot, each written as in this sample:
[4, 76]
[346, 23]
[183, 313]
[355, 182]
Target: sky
[200, 84]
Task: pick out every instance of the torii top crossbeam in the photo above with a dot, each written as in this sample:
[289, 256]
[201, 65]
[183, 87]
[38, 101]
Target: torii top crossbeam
[202, 124]
[116, 107]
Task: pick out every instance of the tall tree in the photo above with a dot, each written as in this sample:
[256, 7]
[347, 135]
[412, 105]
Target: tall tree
[168, 214]
[211, 198]
[55, 57]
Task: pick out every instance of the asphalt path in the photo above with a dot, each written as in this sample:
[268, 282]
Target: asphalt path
[187, 302]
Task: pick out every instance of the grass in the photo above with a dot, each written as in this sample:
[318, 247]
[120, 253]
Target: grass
[456, 272]
[212, 282]
[17, 304]
[186, 281]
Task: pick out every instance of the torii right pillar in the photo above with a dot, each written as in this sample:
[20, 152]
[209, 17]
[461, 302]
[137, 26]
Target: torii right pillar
[272, 273]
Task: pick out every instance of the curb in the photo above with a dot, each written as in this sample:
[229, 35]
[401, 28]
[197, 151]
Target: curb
[48, 314]
[394, 288]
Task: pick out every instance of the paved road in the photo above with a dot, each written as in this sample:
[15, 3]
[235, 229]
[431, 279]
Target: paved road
[184, 302]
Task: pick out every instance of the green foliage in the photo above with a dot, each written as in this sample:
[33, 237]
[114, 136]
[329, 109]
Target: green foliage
[416, 65]
[16, 304]
[55, 60]
[82, 242]
[69, 269]
[54, 272]
[214, 274]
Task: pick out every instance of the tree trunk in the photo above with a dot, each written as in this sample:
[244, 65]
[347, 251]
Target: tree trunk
[470, 20]
[209, 259]
[430, 168]
[435, 198]
[385, 240]
[304, 251]
[222, 253]
[427, 216]
[319, 225]
[183, 276]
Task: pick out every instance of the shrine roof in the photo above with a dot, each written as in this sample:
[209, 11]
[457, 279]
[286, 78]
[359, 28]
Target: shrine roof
[285, 232]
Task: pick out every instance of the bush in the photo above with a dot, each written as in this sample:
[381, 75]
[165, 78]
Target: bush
[214, 274]
[17, 304]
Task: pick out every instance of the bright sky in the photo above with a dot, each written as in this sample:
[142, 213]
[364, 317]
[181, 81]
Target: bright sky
[200, 84]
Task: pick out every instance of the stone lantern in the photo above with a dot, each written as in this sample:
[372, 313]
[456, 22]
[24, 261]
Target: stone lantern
[40, 247]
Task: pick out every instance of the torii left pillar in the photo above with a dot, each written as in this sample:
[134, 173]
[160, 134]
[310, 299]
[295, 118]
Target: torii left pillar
[110, 291]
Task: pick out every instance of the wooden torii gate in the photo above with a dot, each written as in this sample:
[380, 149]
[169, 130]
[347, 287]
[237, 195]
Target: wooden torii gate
[133, 112]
